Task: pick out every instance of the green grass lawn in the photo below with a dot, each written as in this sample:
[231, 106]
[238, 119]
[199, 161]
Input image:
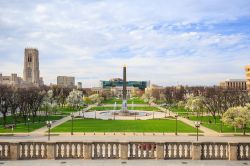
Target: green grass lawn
[208, 121]
[182, 111]
[144, 108]
[39, 122]
[178, 109]
[65, 110]
[96, 125]
[119, 101]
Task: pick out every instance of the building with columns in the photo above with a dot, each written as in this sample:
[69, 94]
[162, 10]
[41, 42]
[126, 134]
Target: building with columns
[234, 84]
[117, 91]
[247, 69]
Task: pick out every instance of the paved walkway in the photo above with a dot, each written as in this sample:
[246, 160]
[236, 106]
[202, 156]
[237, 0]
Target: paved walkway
[148, 137]
[124, 163]
[44, 129]
[129, 105]
[205, 130]
[105, 115]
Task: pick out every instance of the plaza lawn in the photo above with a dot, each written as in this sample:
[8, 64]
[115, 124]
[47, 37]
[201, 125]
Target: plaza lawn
[119, 101]
[96, 125]
[178, 109]
[208, 121]
[182, 111]
[65, 110]
[39, 122]
[144, 108]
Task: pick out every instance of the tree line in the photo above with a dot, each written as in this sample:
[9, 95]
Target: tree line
[33, 101]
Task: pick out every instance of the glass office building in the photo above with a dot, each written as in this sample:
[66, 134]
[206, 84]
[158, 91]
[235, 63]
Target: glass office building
[118, 82]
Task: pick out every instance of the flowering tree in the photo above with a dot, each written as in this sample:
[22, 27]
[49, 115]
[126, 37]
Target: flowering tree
[237, 117]
[145, 97]
[96, 98]
[49, 105]
[75, 98]
[195, 104]
[181, 104]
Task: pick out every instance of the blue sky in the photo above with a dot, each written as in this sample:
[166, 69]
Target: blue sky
[189, 42]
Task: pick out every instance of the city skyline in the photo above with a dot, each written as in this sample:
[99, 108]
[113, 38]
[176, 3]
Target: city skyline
[202, 45]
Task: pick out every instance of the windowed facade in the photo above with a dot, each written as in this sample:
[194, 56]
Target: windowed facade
[248, 78]
[119, 83]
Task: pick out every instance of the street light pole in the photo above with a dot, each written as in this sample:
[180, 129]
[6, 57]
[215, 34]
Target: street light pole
[28, 126]
[197, 125]
[176, 116]
[83, 114]
[72, 118]
[49, 126]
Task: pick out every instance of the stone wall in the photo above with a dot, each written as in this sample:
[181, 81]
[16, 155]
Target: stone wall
[125, 150]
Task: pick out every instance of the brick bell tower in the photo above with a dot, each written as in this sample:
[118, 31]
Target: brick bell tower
[31, 73]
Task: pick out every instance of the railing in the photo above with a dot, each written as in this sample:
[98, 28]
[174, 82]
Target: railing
[243, 151]
[102, 150]
[69, 150]
[4, 151]
[32, 150]
[178, 150]
[142, 150]
[211, 151]
[125, 150]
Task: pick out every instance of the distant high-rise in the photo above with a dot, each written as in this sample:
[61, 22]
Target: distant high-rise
[31, 73]
[66, 81]
[79, 85]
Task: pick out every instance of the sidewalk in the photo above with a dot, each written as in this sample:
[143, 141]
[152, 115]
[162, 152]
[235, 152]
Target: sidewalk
[44, 129]
[139, 162]
[206, 131]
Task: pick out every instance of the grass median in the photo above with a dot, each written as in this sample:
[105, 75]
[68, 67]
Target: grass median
[96, 125]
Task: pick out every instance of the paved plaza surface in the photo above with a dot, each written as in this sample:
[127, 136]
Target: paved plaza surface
[119, 137]
[124, 163]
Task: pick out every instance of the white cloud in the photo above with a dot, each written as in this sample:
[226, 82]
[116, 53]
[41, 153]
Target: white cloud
[93, 39]
[40, 8]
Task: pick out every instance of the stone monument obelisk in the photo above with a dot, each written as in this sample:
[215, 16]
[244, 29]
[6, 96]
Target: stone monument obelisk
[124, 92]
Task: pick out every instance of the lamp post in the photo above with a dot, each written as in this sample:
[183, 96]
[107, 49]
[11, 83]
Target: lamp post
[197, 125]
[72, 118]
[176, 117]
[48, 123]
[28, 126]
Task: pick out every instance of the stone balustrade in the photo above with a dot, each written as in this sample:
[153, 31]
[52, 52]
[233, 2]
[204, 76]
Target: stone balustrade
[124, 150]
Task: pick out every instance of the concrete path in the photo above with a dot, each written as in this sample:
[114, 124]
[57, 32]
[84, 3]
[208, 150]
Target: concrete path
[205, 130]
[148, 137]
[118, 162]
[106, 116]
[44, 129]
[129, 105]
